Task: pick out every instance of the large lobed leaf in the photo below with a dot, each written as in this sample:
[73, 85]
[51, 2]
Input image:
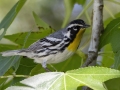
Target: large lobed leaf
[92, 77]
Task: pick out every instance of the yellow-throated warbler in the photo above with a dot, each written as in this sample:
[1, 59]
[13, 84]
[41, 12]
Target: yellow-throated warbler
[56, 47]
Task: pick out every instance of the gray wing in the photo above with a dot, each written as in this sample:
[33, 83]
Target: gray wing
[48, 43]
[46, 46]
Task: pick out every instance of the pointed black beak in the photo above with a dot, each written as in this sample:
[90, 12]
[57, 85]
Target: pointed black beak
[86, 26]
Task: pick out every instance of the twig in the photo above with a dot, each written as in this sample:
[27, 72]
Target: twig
[85, 8]
[97, 27]
[11, 76]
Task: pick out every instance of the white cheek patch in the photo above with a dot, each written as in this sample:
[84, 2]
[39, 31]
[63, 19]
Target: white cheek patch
[68, 34]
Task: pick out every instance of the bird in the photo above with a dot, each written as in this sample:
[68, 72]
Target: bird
[55, 47]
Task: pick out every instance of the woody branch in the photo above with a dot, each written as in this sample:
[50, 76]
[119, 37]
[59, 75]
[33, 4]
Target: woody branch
[97, 27]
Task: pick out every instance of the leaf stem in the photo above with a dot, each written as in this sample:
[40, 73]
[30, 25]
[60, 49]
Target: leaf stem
[88, 16]
[114, 2]
[11, 76]
[26, 38]
[110, 52]
[85, 8]
[109, 12]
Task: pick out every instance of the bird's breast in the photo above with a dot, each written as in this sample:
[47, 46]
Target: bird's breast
[74, 45]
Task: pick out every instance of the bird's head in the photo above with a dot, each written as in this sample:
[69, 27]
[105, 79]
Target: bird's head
[77, 24]
[75, 27]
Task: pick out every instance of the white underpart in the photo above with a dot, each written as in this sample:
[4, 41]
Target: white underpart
[55, 58]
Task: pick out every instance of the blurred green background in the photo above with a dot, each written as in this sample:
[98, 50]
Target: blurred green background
[51, 11]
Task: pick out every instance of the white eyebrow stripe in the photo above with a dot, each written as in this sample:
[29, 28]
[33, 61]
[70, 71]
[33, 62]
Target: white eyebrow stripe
[74, 25]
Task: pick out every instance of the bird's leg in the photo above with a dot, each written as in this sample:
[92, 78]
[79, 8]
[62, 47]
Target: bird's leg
[44, 65]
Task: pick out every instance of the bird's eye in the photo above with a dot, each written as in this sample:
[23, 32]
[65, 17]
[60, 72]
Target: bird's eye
[75, 28]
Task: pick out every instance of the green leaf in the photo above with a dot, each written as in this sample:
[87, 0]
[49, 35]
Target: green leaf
[107, 56]
[25, 67]
[111, 35]
[8, 19]
[6, 63]
[107, 21]
[69, 80]
[39, 22]
[73, 62]
[113, 84]
[34, 36]
[2, 82]
[117, 60]
[6, 83]
[4, 47]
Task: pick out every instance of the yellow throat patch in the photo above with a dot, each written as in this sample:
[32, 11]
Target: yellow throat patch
[74, 45]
